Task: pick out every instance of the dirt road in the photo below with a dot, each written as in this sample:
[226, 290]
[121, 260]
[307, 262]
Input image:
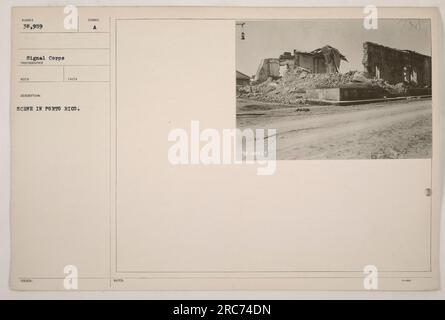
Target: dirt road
[386, 130]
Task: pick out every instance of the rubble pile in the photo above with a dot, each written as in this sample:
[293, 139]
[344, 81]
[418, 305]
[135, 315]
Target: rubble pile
[291, 88]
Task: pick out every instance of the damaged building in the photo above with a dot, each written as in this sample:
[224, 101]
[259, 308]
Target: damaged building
[396, 66]
[268, 68]
[242, 79]
[323, 60]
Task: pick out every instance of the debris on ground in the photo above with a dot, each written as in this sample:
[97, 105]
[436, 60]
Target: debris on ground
[291, 88]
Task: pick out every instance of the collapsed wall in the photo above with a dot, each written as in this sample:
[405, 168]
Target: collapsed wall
[293, 86]
[269, 67]
[388, 73]
[396, 66]
[322, 60]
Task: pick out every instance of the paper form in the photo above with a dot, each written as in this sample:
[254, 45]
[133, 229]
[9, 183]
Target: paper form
[99, 199]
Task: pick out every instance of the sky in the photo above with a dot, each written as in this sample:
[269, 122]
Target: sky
[269, 39]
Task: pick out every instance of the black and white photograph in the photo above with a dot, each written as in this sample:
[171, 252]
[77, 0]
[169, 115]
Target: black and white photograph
[221, 157]
[334, 89]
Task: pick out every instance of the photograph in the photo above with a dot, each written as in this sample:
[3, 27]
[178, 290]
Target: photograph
[333, 89]
[220, 160]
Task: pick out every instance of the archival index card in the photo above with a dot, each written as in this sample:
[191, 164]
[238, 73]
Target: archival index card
[224, 148]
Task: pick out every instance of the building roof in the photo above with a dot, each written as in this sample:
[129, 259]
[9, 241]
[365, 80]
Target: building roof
[241, 76]
[400, 50]
[327, 49]
[317, 52]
